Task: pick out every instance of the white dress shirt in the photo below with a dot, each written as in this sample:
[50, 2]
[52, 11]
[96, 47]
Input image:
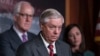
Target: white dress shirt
[19, 33]
[47, 44]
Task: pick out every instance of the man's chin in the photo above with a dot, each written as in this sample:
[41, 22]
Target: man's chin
[54, 40]
[26, 29]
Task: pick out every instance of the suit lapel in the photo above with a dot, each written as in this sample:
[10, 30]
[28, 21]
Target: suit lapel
[59, 51]
[29, 36]
[15, 37]
[41, 47]
[43, 51]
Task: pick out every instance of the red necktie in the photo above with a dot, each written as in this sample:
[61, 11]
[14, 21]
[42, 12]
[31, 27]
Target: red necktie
[24, 38]
[51, 50]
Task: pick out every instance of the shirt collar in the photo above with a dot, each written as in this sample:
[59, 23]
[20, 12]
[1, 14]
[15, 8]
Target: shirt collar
[45, 42]
[19, 32]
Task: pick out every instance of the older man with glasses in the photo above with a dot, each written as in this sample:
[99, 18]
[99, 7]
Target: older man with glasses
[18, 33]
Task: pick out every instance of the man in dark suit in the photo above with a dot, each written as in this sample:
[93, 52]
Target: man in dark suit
[47, 42]
[18, 33]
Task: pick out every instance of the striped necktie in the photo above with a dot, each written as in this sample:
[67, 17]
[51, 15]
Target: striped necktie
[51, 50]
[24, 38]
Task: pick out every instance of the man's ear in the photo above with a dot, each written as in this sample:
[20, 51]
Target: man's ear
[41, 26]
[15, 17]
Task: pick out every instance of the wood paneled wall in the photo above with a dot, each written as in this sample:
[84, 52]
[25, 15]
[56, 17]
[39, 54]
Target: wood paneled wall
[82, 12]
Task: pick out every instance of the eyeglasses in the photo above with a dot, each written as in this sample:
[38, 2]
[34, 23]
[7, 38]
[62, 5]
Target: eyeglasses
[25, 15]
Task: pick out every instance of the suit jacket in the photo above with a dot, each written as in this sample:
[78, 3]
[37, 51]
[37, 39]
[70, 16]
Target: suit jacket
[36, 47]
[10, 41]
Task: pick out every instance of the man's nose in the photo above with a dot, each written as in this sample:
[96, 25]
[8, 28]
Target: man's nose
[28, 18]
[56, 31]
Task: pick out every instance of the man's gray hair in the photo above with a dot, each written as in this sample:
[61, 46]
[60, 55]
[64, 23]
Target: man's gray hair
[17, 7]
[50, 14]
